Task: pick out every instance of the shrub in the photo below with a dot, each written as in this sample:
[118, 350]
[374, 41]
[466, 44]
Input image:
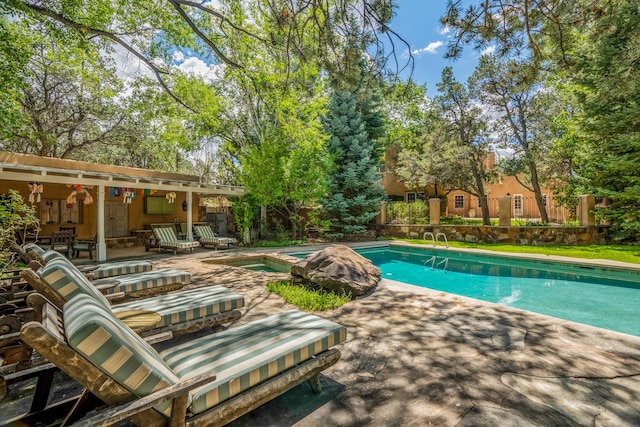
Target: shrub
[15, 218]
[408, 213]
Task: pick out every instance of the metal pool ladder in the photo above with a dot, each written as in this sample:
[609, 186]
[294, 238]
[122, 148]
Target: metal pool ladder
[435, 238]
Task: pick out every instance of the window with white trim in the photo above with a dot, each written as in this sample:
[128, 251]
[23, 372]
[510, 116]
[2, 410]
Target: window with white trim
[545, 200]
[413, 196]
[458, 201]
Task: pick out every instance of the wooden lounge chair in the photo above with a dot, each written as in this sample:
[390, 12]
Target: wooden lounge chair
[160, 317]
[167, 238]
[207, 237]
[127, 286]
[207, 381]
[178, 312]
[98, 271]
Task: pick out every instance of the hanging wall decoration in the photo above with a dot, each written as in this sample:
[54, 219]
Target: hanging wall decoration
[129, 195]
[171, 197]
[35, 190]
[79, 189]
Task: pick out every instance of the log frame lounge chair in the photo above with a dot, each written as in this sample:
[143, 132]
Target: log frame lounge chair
[168, 239]
[206, 237]
[178, 312]
[231, 373]
[126, 286]
[97, 271]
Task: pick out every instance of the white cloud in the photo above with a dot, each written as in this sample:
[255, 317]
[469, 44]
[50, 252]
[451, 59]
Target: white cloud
[178, 56]
[489, 50]
[445, 30]
[430, 49]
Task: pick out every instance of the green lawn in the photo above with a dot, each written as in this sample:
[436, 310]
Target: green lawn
[610, 252]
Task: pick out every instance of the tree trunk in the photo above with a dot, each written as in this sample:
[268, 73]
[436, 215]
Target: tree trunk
[538, 193]
[482, 198]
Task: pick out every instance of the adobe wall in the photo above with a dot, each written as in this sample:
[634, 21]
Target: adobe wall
[493, 234]
[137, 219]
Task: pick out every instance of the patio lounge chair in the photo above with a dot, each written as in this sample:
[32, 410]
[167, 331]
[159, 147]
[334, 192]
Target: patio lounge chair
[157, 318]
[186, 310]
[97, 271]
[206, 237]
[127, 286]
[207, 381]
[168, 239]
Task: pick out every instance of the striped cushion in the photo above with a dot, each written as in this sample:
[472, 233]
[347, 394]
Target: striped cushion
[207, 236]
[115, 349]
[67, 281]
[33, 247]
[245, 356]
[187, 305]
[204, 232]
[50, 255]
[120, 268]
[168, 238]
[147, 280]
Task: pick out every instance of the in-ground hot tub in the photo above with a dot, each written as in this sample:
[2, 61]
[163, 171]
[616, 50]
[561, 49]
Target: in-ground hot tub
[265, 263]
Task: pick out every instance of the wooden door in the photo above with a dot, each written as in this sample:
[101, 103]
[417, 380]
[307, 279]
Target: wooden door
[116, 219]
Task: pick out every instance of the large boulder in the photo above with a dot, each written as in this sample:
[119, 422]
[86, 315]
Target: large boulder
[337, 268]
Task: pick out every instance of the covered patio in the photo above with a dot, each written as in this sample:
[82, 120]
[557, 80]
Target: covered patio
[105, 201]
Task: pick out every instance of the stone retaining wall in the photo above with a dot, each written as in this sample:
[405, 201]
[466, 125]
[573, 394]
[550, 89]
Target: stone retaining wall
[494, 234]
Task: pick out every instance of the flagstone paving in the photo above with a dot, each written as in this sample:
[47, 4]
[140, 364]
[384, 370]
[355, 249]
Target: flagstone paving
[418, 357]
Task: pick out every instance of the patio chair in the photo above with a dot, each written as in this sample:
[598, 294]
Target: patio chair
[96, 271]
[206, 236]
[62, 241]
[167, 239]
[206, 381]
[85, 246]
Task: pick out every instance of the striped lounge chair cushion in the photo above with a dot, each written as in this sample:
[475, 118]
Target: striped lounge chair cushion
[187, 305]
[147, 280]
[247, 355]
[116, 350]
[207, 236]
[121, 268]
[168, 238]
[33, 247]
[68, 282]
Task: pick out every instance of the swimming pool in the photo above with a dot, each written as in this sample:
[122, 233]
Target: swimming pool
[607, 298]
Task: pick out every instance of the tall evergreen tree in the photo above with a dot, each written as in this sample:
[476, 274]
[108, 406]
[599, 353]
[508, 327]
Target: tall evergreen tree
[355, 191]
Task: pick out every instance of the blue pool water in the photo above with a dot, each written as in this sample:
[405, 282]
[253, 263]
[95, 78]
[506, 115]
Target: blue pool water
[601, 297]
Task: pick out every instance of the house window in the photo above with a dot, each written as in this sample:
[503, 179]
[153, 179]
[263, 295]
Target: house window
[58, 212]
[517, 205]
[545, 200]
[458, 201]
[486, 197]
[413, 196]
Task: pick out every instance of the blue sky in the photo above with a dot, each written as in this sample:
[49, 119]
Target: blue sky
[417, 22]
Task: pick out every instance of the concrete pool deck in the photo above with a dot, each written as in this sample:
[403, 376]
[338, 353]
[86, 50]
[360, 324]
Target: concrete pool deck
[419, 357]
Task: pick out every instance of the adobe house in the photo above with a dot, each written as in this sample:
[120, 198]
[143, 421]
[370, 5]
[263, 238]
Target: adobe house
[461, 203]
[104, 201]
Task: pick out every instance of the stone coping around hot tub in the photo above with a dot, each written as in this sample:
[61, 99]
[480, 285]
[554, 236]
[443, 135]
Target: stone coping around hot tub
[273, 257]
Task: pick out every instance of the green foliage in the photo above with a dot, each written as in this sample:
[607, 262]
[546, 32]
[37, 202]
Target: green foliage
[408, 213]
[277, 243]
[306, 299]
[15, 218]
[354, 187]
[609, 81]
[245, 209]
